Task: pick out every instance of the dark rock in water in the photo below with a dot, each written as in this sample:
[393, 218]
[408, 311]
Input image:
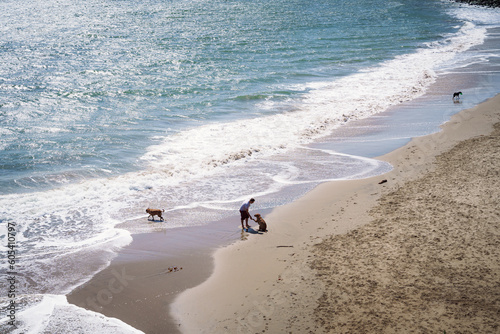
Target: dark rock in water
[486, 3]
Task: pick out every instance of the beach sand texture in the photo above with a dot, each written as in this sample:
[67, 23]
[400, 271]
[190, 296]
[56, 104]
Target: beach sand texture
[429, 261]
[419, 253]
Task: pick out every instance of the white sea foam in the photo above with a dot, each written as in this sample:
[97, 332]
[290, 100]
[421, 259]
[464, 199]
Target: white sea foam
[53, 314]
[476, 14]
[325, 106]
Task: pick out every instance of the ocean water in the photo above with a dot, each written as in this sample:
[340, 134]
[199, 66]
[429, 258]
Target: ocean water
[110, 107]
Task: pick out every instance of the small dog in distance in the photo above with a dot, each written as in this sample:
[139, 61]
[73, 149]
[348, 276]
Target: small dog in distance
[155, 212]
[456, 96]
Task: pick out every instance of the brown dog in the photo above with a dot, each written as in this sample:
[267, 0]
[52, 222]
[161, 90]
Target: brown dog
[262, 223]
[155, 212]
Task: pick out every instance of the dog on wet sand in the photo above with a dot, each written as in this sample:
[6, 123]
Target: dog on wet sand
[155, 212]
[262, 223]
[456, 96]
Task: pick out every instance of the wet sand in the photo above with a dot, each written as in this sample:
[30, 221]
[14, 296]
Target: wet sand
[418, 253]
[147, 275]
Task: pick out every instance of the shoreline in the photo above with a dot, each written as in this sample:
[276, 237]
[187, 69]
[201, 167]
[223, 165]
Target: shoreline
[141, 282]
[278, 282]
[149, 292]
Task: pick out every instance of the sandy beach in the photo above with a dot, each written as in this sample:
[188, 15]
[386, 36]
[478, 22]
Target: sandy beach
[416, 254]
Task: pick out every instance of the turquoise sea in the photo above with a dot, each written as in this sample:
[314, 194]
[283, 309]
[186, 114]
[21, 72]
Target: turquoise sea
[108, 107]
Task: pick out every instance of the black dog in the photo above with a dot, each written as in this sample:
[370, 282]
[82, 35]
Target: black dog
[457, 95]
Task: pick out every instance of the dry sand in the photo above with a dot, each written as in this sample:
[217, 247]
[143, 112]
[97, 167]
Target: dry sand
[417, 254]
